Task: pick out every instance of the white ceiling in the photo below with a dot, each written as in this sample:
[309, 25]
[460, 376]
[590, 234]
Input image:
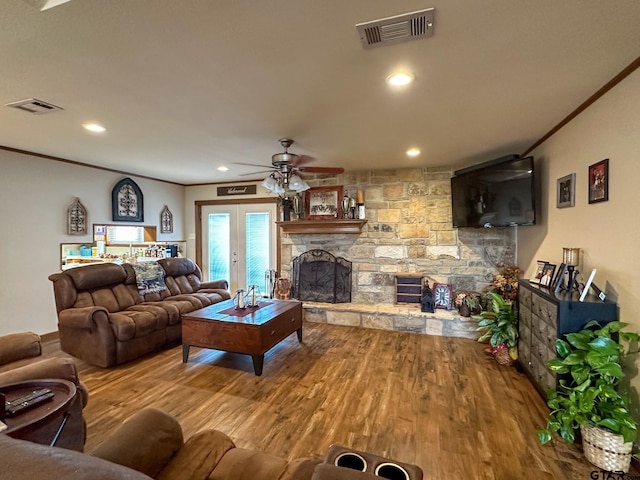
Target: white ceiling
[185, 86]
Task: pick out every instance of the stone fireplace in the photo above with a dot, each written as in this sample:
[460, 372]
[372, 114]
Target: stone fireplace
[319, 276]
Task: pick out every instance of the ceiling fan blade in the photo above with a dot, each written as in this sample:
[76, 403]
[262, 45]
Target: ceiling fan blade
[334, 170]
[303, 160]
[254, 173]
[253, 165]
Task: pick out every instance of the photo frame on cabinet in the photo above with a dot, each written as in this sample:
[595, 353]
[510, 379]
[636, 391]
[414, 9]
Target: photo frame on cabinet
[566, 194]
[599, 181]
[558, 279]
[537, 273]
[547, 275]
[587, 285]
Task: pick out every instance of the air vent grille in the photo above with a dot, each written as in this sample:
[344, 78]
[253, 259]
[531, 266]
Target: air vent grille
[396, 29]
[33, 105]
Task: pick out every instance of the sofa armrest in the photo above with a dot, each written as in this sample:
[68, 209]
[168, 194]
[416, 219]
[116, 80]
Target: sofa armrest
[84, 317]
[215, 284]
[145, 442]
[18, 346]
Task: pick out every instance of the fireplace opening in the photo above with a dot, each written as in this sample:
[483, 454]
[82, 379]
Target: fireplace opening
[319, 276]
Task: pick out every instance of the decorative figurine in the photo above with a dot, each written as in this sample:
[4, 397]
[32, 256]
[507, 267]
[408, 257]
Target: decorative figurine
[427, 304]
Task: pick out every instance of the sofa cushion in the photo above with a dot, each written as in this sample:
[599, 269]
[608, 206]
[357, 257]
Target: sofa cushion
[22, 459]
[241, 464]
[114, 299]
[130, 324]
[90, 277]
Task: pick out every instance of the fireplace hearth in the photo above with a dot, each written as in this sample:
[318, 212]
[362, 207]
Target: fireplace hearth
[319, 276]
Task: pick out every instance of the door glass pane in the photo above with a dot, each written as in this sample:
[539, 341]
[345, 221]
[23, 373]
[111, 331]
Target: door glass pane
[258, 246]
[219, 246]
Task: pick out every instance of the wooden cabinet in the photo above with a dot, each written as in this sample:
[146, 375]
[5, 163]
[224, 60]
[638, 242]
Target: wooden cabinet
[409, 288]
[542, 318]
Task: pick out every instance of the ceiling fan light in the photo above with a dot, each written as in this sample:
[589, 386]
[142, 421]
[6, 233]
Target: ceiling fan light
[270, 183]
[295, 182]
[303, 186]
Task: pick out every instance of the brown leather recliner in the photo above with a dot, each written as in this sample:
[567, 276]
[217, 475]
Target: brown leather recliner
[21, 360]
[150, 445]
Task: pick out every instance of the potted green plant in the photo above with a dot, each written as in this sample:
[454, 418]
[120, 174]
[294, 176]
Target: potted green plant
[467, 302]
[589, 399]
[500, 326]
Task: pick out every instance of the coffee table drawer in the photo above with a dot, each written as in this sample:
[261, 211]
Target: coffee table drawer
[280, 327]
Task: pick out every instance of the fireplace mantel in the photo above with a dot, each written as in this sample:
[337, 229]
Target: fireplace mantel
[322, 226]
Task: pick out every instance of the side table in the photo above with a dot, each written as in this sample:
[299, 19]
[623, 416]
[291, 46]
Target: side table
[43, 423]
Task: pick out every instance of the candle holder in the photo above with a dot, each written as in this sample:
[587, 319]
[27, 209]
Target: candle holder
[571, 258]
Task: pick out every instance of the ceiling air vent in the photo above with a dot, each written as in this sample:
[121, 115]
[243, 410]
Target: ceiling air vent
[399, 28]
[33, 105]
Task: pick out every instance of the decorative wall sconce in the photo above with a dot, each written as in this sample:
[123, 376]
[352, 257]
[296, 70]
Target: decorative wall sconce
[76, 218]
[166, 220]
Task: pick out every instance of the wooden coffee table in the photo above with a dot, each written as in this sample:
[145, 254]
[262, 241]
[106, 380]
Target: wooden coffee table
[251, 331]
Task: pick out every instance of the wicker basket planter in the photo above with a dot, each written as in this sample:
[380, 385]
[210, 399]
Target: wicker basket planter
[606, 450]
[501, 354]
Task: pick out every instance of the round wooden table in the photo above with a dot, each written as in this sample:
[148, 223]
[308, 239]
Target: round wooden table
[42, 423]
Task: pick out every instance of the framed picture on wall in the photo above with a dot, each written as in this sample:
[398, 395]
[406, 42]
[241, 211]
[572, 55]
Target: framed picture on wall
[566, 195]
[599, 181]
[323, 203]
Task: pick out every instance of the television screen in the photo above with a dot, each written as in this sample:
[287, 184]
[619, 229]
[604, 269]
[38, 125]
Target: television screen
[494, 194]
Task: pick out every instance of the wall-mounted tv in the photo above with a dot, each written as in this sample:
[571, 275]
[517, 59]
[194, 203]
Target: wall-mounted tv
[498, 193]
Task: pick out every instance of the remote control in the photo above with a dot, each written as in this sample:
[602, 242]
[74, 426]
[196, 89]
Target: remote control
[19, 404]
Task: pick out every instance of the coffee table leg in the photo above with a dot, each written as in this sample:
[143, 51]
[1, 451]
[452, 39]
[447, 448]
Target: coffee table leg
[185, 353]
[258, 360]
[299, 332]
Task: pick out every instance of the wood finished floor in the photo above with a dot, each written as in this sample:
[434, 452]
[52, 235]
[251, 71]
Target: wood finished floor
[437, 402]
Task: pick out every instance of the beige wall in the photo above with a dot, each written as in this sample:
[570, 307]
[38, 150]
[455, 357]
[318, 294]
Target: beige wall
[34, 196]
[608, 233]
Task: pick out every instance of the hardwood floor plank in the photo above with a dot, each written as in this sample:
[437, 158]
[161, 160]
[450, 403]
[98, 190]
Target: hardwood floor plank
[438, 402]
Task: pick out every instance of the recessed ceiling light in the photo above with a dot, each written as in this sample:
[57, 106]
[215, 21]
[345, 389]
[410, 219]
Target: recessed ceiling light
[94, 127]
[400, 79]
[413, 152]
[222, 168]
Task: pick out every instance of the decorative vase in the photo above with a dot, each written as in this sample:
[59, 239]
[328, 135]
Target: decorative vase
[464, 310]
[604, 449]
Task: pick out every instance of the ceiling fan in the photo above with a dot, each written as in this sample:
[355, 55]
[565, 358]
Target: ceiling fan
[285, 170]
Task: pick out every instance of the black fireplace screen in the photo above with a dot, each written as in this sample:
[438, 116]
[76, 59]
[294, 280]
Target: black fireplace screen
[319, 276]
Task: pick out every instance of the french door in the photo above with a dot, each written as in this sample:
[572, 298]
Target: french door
[238, 243]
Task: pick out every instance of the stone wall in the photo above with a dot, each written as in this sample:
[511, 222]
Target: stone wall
[408, 230]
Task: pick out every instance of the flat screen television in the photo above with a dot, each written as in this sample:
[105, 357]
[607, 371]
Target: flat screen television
[498, 193]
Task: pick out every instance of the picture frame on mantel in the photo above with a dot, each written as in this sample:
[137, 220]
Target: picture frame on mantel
[599, 181]
[323, 203]
[566, 194]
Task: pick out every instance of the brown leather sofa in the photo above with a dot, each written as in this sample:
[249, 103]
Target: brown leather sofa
[104, 320]
[150, 445]
[21, 360]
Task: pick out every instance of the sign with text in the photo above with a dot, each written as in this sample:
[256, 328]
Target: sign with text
[237, 190]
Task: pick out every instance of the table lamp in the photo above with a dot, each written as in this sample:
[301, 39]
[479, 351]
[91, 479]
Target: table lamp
[571, 258]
